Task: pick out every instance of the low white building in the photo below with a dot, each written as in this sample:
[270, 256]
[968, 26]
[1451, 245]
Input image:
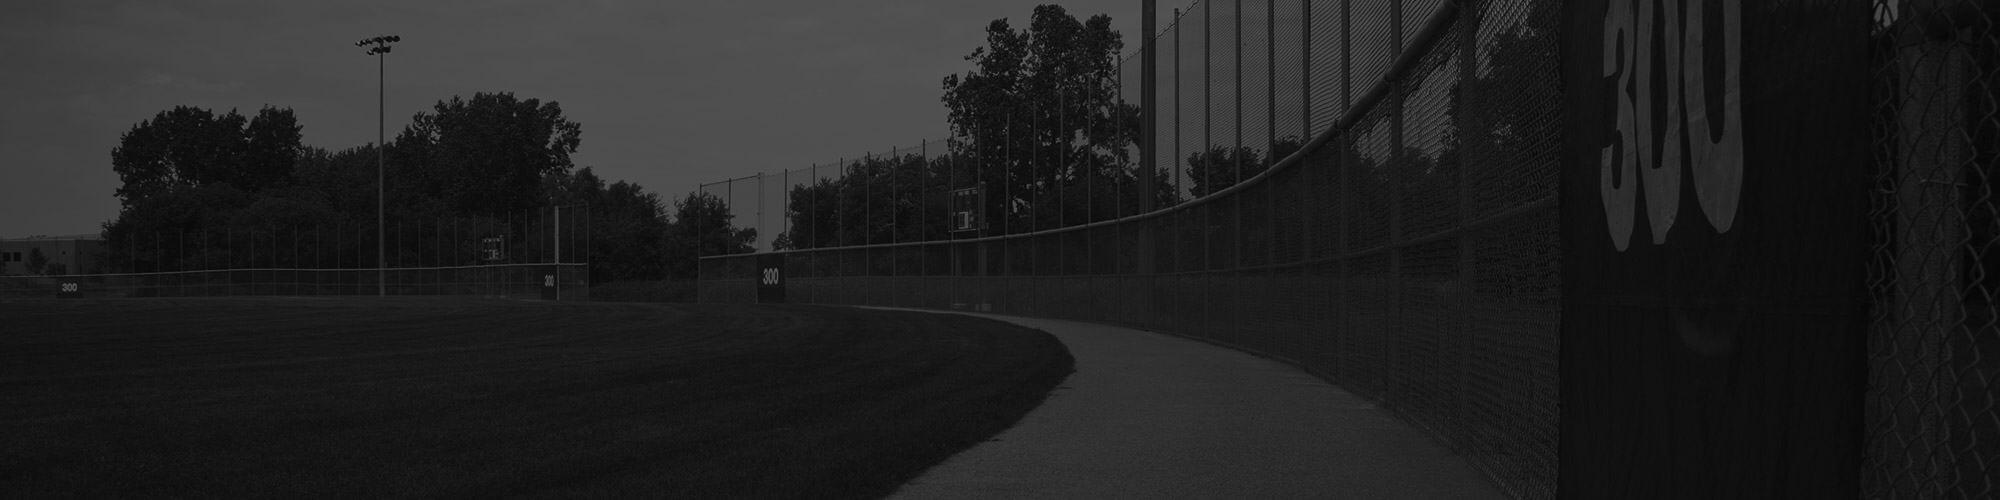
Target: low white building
[74, 254]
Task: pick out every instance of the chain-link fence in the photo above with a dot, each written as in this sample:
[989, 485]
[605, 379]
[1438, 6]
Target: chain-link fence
[1934, 344]
[1369, 191]
[1365, 190]
[536, 253]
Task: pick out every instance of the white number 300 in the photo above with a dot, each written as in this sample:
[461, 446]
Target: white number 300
[771, 276]
[69, 288]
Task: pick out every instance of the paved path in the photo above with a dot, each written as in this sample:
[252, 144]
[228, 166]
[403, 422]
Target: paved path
[1149, 415]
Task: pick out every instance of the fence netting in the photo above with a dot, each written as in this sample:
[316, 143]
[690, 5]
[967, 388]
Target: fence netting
[1366, 190]
[1934, 345]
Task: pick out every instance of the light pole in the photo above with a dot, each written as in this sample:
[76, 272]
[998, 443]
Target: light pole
[381, 50]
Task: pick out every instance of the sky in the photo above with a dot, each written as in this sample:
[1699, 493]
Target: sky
[669, 94]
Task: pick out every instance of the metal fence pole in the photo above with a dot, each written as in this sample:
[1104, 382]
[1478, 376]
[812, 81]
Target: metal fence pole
[295, 261]
[1271, 131]
[895, 200]
[1037, 188]
[1395, 103]
[839, 219]
[1149, 120]
[1207, 143]
[812, 210]
[1174, 223]
[861, 173]
[1933, 152]
[1236, 202]
[784, 208]
[1471, 131]
[760, 201]
[1306, 169]
[867, 168]
[923, 203]
[1342, 189]
[1179, 188]
[180, 260]
[1090, 178]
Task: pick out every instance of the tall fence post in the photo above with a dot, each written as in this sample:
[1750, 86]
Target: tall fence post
[1271, 131]
[1932, 148]
[556, 241]
[760, 202]
[812, 217]
[1471, 133]
[785, 208]
[923, 203]
[1179, 187]
[1149, 126]
[1307, 175]
[1236, 202]
[1148, 112]
[1174, 223]
[839, 221]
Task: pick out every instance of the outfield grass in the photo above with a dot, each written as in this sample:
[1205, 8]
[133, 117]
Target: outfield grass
[462, 397]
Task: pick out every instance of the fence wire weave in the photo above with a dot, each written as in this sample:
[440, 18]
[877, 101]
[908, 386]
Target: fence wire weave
[1318, 162]
[1934, 345]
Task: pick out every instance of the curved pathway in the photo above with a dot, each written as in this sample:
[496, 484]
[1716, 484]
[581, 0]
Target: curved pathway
[1149, 415]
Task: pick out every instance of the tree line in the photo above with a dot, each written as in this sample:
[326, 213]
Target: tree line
[230, 181]
[1037, 127]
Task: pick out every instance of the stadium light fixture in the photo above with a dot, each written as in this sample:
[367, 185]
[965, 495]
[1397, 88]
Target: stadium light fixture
[381, 51]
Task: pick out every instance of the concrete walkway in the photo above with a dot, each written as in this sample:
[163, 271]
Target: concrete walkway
[1149, 415]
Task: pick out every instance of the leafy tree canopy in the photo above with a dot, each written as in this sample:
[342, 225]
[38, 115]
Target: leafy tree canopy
[703, 226]
[193, 147]
[1040, 113]
[489, 153]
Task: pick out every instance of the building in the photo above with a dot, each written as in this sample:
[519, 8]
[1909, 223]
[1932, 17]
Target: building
[74, 254]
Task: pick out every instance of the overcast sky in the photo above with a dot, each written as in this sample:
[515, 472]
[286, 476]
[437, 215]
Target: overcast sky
[669, 94]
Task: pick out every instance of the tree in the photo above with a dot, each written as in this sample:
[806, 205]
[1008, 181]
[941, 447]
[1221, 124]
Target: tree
[194, 147]
[1511, 111]
[489, 154]
[36, 261]
[344, 179]
[272, 144]
[1040, 114]
[200, 188]
[703, 226]
[628, 230]
[879, 199]
[1221, 167]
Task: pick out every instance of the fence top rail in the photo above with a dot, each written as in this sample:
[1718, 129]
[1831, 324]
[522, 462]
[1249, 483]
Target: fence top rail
[1413, 54]
[305, 270]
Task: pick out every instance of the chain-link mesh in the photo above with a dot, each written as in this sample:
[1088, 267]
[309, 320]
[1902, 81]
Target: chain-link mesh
[1409, 253]
[1934, 346]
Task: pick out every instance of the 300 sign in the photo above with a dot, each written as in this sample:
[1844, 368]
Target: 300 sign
[1642, 158]
[771, 276]
[69, 287]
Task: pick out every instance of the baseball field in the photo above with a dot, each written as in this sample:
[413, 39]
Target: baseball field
[367, 397]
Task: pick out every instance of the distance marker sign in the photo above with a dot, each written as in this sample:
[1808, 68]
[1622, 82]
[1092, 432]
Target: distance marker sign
[771, 278]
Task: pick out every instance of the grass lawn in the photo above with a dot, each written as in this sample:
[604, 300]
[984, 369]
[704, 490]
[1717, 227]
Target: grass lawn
[282, 397]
